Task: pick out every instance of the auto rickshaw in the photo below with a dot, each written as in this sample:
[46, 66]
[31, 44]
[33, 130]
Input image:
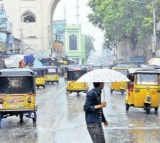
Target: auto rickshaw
[17, 93]
[72, 75]
[39, 76]
[94, 67]
[89, 67]
[51, 74]
[119, 86]
[143, 89]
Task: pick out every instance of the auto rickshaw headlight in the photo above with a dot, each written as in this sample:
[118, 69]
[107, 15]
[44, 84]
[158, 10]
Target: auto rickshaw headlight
[148, 98]
[29, 100]
[137, 90]
[1, 101]
[122, 86]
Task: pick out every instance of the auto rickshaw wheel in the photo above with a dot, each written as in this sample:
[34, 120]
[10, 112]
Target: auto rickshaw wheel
[148, 109]
[44, 86]
[111, 91]
[127, 107]
[34, 118]
[156, 109]
[57, 82]
[21, 118]
[1, 116]
[122, 92]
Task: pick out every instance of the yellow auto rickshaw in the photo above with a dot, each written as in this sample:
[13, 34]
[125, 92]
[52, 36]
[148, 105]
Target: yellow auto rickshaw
[72, 75]
[51, 74]
[17, 93]
[143, 90]
[119, 86]
[39, 76]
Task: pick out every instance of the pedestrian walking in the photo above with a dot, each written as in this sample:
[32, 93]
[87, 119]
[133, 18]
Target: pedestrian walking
[65, 76]
[94, 114]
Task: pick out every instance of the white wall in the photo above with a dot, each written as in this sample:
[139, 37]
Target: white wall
[41, 29]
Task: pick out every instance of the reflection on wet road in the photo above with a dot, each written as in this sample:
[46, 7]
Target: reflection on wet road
[61, 120]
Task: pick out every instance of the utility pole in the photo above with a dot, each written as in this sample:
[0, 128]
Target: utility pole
[154, 31]
[21, 31]
[64, 12]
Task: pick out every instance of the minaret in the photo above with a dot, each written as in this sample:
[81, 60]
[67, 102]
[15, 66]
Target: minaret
[77, 13]
[64, 12]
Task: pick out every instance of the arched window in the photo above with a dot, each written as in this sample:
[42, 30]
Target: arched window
[73, 42]
[28, 17]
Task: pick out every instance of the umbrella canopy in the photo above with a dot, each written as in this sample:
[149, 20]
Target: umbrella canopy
[154, 61]
[37, 64]
[29, 58]
[13, 61]
[103, 75]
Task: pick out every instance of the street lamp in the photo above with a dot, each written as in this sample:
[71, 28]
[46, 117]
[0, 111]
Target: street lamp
[154, 27]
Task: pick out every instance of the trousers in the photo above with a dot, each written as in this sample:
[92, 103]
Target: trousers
[96, 132]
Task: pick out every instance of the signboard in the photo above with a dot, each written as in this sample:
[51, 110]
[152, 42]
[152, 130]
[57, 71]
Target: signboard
[2, 13]
[3, 37]
[51, 70]
[58, 48]
[9, 40]
[141, 59]
[5, 25]
[3, 19]
[59, 29]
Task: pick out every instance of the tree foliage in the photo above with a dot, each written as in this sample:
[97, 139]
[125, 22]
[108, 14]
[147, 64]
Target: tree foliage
[123, 19]
[88, 44]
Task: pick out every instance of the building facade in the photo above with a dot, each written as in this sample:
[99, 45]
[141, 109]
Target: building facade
[32, 23]
[75, 43]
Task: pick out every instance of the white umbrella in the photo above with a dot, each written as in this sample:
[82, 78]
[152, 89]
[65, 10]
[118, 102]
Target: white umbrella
[154, 61]
[103, 75]
[13, 61]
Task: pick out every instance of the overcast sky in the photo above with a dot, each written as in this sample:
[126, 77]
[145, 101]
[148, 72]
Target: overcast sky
[86, 27]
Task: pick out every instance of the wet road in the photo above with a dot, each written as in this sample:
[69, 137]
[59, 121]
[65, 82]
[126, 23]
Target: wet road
[61, 120]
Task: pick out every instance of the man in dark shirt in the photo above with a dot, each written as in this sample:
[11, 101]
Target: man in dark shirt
[94, 114]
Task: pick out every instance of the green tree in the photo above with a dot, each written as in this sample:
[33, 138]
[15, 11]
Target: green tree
[123, 19]
[88, 44]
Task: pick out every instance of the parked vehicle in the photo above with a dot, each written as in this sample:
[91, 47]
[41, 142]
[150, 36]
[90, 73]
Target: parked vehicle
[17, 93]
[143, 89]
[51, 74]
[119, 86]
[39, 76]
[89, 67]
[94, 67]
[72, 75]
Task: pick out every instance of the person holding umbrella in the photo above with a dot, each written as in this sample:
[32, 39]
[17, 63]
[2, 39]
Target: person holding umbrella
[93, 106]
[94, 116]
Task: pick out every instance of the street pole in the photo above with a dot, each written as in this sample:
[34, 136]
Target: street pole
[21, 31]
[154, 32]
